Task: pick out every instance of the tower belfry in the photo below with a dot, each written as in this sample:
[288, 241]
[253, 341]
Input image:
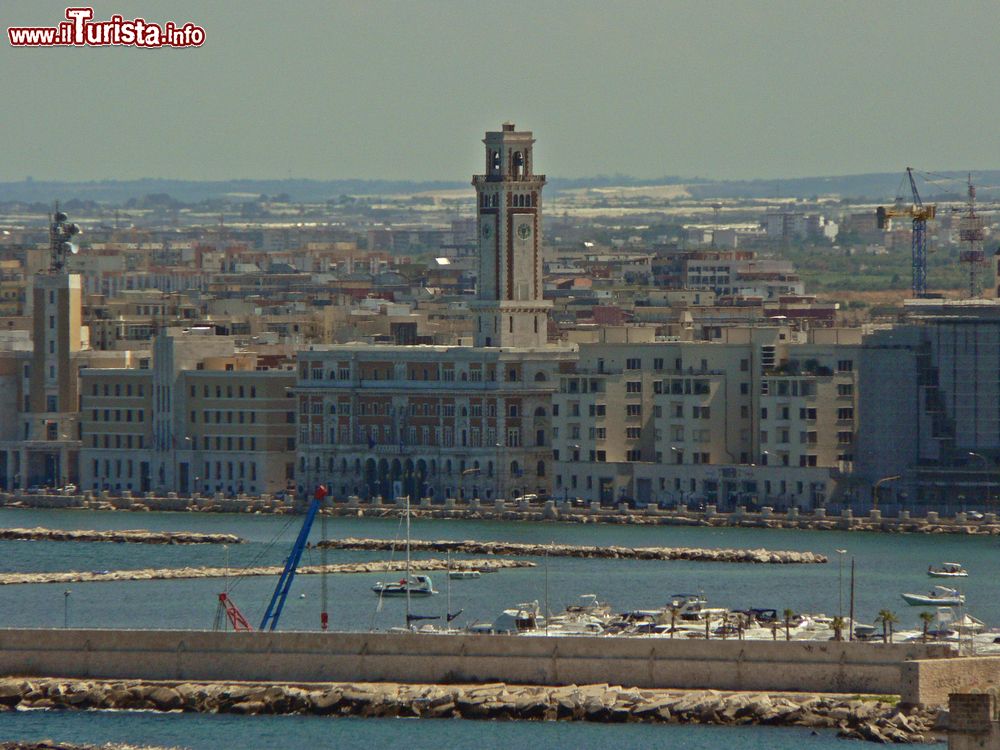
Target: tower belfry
[510, 308]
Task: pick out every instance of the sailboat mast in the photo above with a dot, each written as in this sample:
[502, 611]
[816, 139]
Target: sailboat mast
[407, 584]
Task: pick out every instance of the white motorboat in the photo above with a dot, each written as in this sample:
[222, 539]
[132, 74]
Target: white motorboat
[694, 607]
[948, 570]
[941, 596]
[524, 618]
[463, 575]
[416, 585]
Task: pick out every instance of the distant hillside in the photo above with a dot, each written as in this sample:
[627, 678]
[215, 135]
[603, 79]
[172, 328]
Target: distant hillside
[878, 186]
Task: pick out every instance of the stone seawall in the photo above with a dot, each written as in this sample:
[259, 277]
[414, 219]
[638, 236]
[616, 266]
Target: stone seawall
[876, 719]
[553, 510]
[802, 666]
[473, 547]
[163, 574]
[125, 536]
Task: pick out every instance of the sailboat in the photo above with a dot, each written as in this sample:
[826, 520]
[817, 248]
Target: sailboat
[411, 585]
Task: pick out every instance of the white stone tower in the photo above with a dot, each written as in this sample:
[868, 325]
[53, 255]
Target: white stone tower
[510, 309]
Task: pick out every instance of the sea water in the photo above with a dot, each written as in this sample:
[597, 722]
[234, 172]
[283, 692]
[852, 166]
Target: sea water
[886, 565]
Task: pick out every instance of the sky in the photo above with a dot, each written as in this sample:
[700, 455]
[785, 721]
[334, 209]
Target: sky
[326, 89]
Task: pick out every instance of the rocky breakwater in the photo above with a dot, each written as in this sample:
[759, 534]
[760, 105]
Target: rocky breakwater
[163, 574]
[469, 546]
[874, 720]
[125, 536]
[54, 745]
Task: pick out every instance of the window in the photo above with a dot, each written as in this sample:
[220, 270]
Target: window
[658, 363]
[633, 433]
[632, 455]
[845, 389]
[633, 363]
[845, 414]
[807, 413]
[744, 365]
[633, 410]
[633, 386]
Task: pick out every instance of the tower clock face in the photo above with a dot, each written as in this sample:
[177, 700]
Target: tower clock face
[524, 230]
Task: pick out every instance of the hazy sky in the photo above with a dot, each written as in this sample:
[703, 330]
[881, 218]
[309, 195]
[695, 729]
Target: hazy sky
[329, 90]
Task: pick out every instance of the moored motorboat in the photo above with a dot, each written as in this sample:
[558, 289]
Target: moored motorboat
[416, 585]
[941, 596]
[462, 575]
[948, 570]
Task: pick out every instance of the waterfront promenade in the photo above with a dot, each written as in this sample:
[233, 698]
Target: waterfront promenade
[931, 522]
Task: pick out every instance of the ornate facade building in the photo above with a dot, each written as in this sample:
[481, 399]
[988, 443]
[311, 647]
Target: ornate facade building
[449, 421]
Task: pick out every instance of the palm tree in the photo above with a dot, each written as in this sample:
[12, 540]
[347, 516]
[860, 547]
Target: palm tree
[926, 618]
[789, 614]
[887, 618]
[838, 628]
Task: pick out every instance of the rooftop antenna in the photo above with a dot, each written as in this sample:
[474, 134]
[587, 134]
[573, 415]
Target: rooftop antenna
[61, 231]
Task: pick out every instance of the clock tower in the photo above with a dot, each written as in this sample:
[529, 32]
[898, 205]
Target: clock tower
[510, 308]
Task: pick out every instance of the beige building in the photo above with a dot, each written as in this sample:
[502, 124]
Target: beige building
[196, 416]
[765, 414]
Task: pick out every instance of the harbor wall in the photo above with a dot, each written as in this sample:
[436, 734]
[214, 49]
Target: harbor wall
[405, 657]
[934, 522]
[930, 681]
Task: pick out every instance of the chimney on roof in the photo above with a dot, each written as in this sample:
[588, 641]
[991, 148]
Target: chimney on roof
[508, 127]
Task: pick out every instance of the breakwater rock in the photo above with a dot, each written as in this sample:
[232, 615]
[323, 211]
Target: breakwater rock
[127, 536]
[53, 745]
[469, 546]
[874, 720]
[163, 574]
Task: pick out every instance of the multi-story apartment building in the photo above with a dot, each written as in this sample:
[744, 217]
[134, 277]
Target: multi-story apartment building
[670, 420]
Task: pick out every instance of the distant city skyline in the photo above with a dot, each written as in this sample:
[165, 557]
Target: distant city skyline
[401, 90]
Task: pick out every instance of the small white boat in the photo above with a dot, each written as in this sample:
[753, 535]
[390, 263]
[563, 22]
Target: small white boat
[948, 570]
[462, 575]
[941, 596]
[418, 585]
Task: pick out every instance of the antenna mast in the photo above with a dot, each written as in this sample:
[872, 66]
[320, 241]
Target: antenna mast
[971, 231]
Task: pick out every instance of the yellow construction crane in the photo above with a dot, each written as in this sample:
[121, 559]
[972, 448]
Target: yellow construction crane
[919, 213]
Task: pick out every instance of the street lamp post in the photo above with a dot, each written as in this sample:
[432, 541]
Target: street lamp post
[879, 483]
[66, 594]
[840, 583]
[986, 467]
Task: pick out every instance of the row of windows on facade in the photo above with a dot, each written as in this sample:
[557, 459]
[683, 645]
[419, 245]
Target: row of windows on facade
[844, 413]
[637, 363]
[444, 437]
[709, 486]
[474, 375]
[229, 391]
[429, 468]
[680, 386]
[633, 455]
[376, 409]
[518, 200]
[242, 417]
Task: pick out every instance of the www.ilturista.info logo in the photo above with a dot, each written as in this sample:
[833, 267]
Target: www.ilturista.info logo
[79, 30]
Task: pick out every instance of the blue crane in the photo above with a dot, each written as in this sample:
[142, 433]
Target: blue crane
[273, 612]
